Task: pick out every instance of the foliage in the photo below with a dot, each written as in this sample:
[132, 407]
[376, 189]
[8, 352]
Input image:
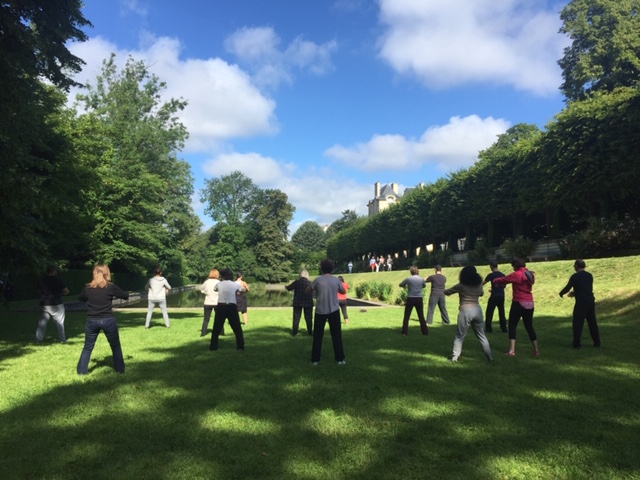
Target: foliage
[520, 247]
[39, 199]
[229, 198]
[310, 236]
[603, 237]
[480, 254]
[348, 219]
[141, 199]
[605, 50]
[375, 290]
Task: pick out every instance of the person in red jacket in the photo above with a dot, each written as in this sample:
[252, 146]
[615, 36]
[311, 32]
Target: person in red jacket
[522, 281]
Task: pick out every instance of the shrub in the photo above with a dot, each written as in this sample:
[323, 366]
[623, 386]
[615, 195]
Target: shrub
[480, 254]
[602, 237]
[520, 247]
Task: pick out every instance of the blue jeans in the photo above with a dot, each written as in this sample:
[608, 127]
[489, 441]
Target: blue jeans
[91, 332]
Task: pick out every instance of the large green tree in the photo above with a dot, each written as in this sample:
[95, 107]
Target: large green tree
[229, 198]
[142, 201]
[35, 197]
[605, 46]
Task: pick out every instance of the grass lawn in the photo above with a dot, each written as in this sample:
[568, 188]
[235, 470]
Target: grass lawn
[397, 410]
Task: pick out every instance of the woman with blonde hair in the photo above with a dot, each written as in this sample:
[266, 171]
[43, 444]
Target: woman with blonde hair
[210, 299]
[99, 295]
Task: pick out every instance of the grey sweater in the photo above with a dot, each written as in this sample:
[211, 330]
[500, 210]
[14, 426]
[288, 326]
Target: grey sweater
[468, 295]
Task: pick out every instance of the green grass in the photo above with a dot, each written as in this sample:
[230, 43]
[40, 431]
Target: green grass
[398, 409]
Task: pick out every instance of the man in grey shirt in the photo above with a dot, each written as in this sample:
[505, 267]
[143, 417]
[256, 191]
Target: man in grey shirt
[415, 285]
[437, 297]
[326, 288]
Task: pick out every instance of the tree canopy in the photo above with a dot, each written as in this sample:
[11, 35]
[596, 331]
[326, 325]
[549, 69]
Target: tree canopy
[605, 50]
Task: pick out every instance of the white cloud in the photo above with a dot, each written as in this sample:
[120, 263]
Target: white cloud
[450, 147]
[134, 6]
[259, 49]
[223, 102]
[446, 43]
[317, 194]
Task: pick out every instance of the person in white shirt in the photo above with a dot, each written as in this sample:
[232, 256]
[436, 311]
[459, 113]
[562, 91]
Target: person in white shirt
[158, 288]
[227, 309]
[210, 299]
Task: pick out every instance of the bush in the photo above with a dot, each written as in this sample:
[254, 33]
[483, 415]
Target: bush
[602, 237]
[520, 247]
[379, 290]
[480, 254]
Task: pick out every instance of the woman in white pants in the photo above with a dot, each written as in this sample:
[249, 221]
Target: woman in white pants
[158, 288]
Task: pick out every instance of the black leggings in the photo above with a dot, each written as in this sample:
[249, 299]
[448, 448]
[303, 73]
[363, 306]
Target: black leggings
[515, 313]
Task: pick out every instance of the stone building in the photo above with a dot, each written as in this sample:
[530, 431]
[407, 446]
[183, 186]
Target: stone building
[383, 197]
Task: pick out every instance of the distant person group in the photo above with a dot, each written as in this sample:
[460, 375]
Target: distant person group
[225, 299]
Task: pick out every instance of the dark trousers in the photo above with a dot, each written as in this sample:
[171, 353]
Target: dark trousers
[441, 301]
[495, 302]
[516, 312]
[418, 304]
[208, 309]
[343, 309]
[585, 311]
[308, 318]
[91, 331]
[224, 312]
[335, 327]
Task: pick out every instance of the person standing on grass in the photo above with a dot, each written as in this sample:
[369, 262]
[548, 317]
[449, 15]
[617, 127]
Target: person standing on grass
[415, 284]
[521, 281]
[326, 288]
[158, 288]
[350, 266]
[436, 297]
[496, 299]
[389, 263]
[227, 309]
[342, 300]
[99, 295]
[51, 288]
[585, 307]
[210, 299]
[469, 290]
[302, 302]
[242, 297]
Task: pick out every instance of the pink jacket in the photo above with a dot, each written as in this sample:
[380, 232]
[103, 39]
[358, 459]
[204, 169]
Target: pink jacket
[520, 284]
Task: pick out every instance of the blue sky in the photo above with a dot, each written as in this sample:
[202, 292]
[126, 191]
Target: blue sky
[321, 99]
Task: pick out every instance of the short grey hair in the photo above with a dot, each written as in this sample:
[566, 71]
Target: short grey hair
[304, 273]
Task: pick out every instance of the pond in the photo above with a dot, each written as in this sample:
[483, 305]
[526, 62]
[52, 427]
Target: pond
[259, 296]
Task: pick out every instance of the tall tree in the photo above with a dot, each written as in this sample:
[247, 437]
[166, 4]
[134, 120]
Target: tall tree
[309, 236]
[270, 219]
[349, 218]
[33, 147]
[605, 49]
[142, 202]
[229, 198]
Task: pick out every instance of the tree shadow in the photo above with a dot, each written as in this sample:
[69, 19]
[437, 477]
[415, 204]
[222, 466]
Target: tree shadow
[267, 413]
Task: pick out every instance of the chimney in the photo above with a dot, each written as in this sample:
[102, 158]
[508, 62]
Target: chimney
[394, 185]
[377, 190]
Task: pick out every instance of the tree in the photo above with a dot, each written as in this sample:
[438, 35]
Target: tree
[270, 220]
[605, 49]
[349, 218]
[229, 198]
[142, 201]
[34, 146]
[310, 236]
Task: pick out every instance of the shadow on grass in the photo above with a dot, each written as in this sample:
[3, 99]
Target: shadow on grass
[398, 409]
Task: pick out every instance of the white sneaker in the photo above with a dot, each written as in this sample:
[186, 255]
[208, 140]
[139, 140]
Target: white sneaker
[315, 364]
[343, 362]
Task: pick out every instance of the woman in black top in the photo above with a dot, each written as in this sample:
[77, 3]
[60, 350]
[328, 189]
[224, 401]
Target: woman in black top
[99, 295]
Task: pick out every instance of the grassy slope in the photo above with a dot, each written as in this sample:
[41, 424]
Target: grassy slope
[398, 409]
